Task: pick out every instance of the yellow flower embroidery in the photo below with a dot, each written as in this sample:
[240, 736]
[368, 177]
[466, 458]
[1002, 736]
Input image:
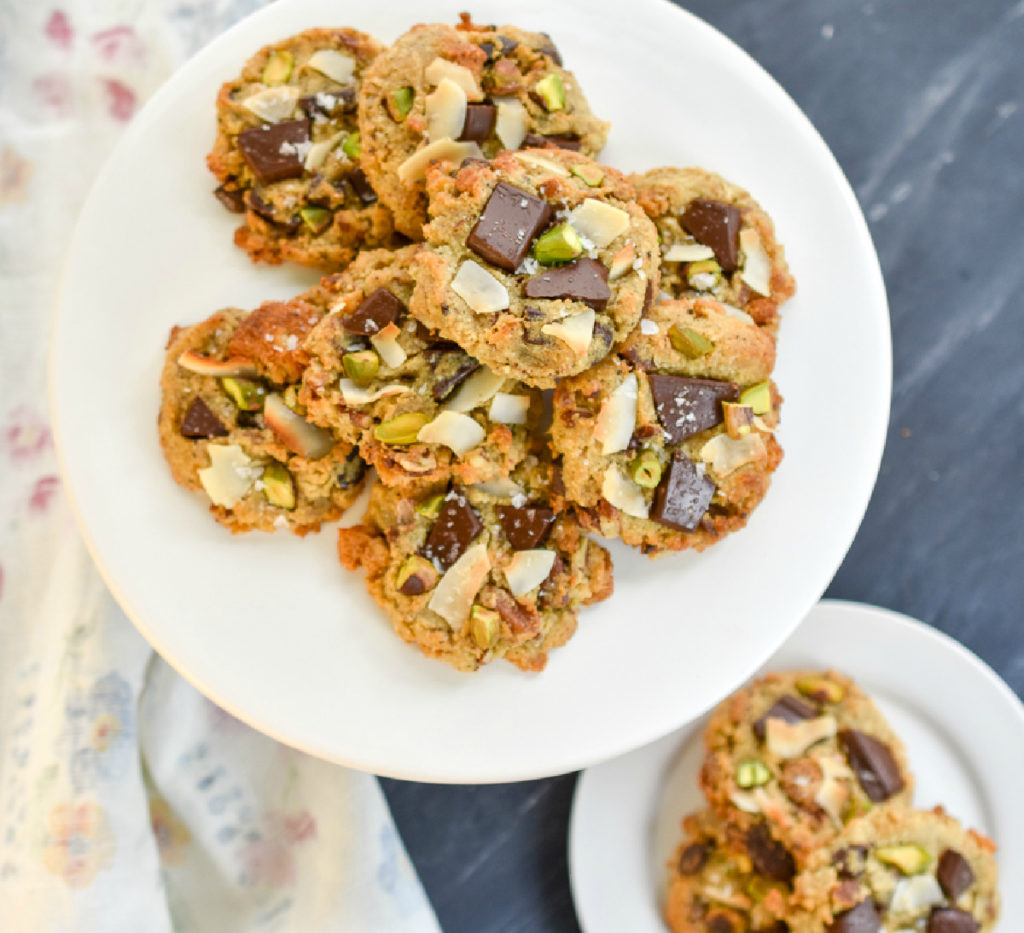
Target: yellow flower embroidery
[172, 836]
[79, 843]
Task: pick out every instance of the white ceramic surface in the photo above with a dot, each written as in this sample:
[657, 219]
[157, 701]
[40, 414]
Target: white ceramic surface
[963, 728]
[269, 626]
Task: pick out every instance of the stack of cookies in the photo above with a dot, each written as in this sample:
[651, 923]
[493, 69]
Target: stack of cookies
[523, 343]
[809, 828]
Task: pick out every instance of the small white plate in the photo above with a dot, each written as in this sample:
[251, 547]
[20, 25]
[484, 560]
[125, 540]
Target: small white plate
[270, 627]
[963, 728]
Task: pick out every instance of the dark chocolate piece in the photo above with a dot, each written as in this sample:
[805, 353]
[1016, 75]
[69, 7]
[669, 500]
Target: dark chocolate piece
[329, 103]
[272, 149]
[719, 923]
[769, 856]
[583, 280]
[954, 874]
[488, 48]
[232, 198]
[683, 495]
[508, 46]
[849, 862]
[693, 858]
[951, 920]
[787, 708]
[715, 224]
[413, 586]
[452, 370]
[551, 50]
[510, 221]
[352, 471]
[454, 529]
[554, 141]
[375, 313]
[873, 763]
[361, 186]
[525, 528]
[688, 406]
[479, 123]
[200, 421]
[861, 919]
[288, 226]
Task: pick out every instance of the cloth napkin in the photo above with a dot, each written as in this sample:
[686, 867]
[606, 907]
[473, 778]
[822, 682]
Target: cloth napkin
[128, 802]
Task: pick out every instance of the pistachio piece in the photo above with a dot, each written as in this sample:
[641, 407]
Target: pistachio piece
[430, 506]
[416, 575]
[291, 399]
[738, 419]
[691, 343]
[758, 397]
[399, 103]
[551, 92]
[703, 275]
[820, 689]
[646, 471]
[560, 244]
[318, 219]
[278, 68]
[759, 887]
[351, 146]
[402, 429]
[752, 773]
[856, 807]
[245, 393]
[361, 366]
[278, 486]
[484, 625]
[910, 859]
[591, 175]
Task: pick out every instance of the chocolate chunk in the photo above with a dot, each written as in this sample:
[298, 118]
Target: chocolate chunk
[693, 858]
[525, 528]
[200, 421]
[375, 313]
[551, 50]
[683, 495]
[861, 919]
[787, 708]
[554, 141]
[352, 470]
[452, 370]
[873, 763]
[648, 296]
[583, 280]
[954, 874]
[779, 926]
[479, 124]
[272, 149]
[361, 186]
[951, 920]
[719, 923]
[232, 198]
[288, 226]
[849, 862]
[488, 48]
[455, 527]
[715, 224]
[510, 221]
[329, 104]
[688, 406]
[769, 856]
[508, 46]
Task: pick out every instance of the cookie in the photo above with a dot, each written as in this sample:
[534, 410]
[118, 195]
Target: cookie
[537, 263]
[900, 870]
[716, 242]
[714, 888]
[421, 409]
[287, 152]
[794, 756]
[668, 443]
[443, 92]
[475, 573]
[227, 429]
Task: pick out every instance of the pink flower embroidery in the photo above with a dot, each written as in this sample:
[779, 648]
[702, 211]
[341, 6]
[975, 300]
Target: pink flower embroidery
[298, 827]
[268, 862]
[120, 99]
[43, 492]
[26, 435]
[120, 44]
[15, 173]
[58, 29]
[54, 90]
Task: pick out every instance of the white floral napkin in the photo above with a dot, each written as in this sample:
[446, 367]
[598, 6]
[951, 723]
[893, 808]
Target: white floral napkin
[128, 802]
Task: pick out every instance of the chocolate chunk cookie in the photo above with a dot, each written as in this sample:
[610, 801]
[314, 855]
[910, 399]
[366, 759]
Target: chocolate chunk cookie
[421, 409]
[230, 426]
[474, 573]
[537, 263]
[669, 443]
[896, 870]
[716, 242]
[287, 152]
[448, 93]
[794, 757]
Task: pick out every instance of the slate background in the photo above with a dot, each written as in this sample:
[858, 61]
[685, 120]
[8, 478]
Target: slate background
[920, 102]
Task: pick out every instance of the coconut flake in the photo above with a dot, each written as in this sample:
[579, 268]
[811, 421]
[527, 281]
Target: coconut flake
[599, 222]
[915, 894]
[725, 455]
[528, 569]
[318, 152]
[688, 252]
[333, 64]
[479, 289]
[273, 104]
[509, 409]
[415, 167]
[757, 267]
[576, 331]
[208, 366]
[477, 389]
[737, 313]
[386, 344]
[792, 739]
[446, 110]
[510, 123]
[295, 432]
[457, 431]
[453, 596]
[230, 474]
[441, 69]
[648, 327]
[623, 493]
[501, 488]
[538, 161]
[357, 396]
[617, 418]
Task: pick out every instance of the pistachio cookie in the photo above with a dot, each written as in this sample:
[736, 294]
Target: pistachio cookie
[715, 888]
[475, 573]
[287, 152]
[793, 757]
[900, 870]
[537, 263]
[668, 443]
[450, 93]
[229, 424]
[420, 408]
[716, 242]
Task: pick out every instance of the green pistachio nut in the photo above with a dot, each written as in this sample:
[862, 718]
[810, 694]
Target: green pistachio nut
[559, 244]
[351, 147]
[399, 103]
[402, 429]
[416, 575]
[758, 397]
[820, 689]
[278, 68]
[759, 887]
[910, 859]
[317, 219]
[291, 399]
[703, 275]
[551, 92]
[691, 343]
[484, 625]
[278, 486]
[646, 469]
[592, 175]
[245, 393]
[752, 773]
[361, 366]
[431, 506]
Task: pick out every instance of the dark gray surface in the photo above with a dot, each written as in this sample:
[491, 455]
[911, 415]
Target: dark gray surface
[920, 100]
